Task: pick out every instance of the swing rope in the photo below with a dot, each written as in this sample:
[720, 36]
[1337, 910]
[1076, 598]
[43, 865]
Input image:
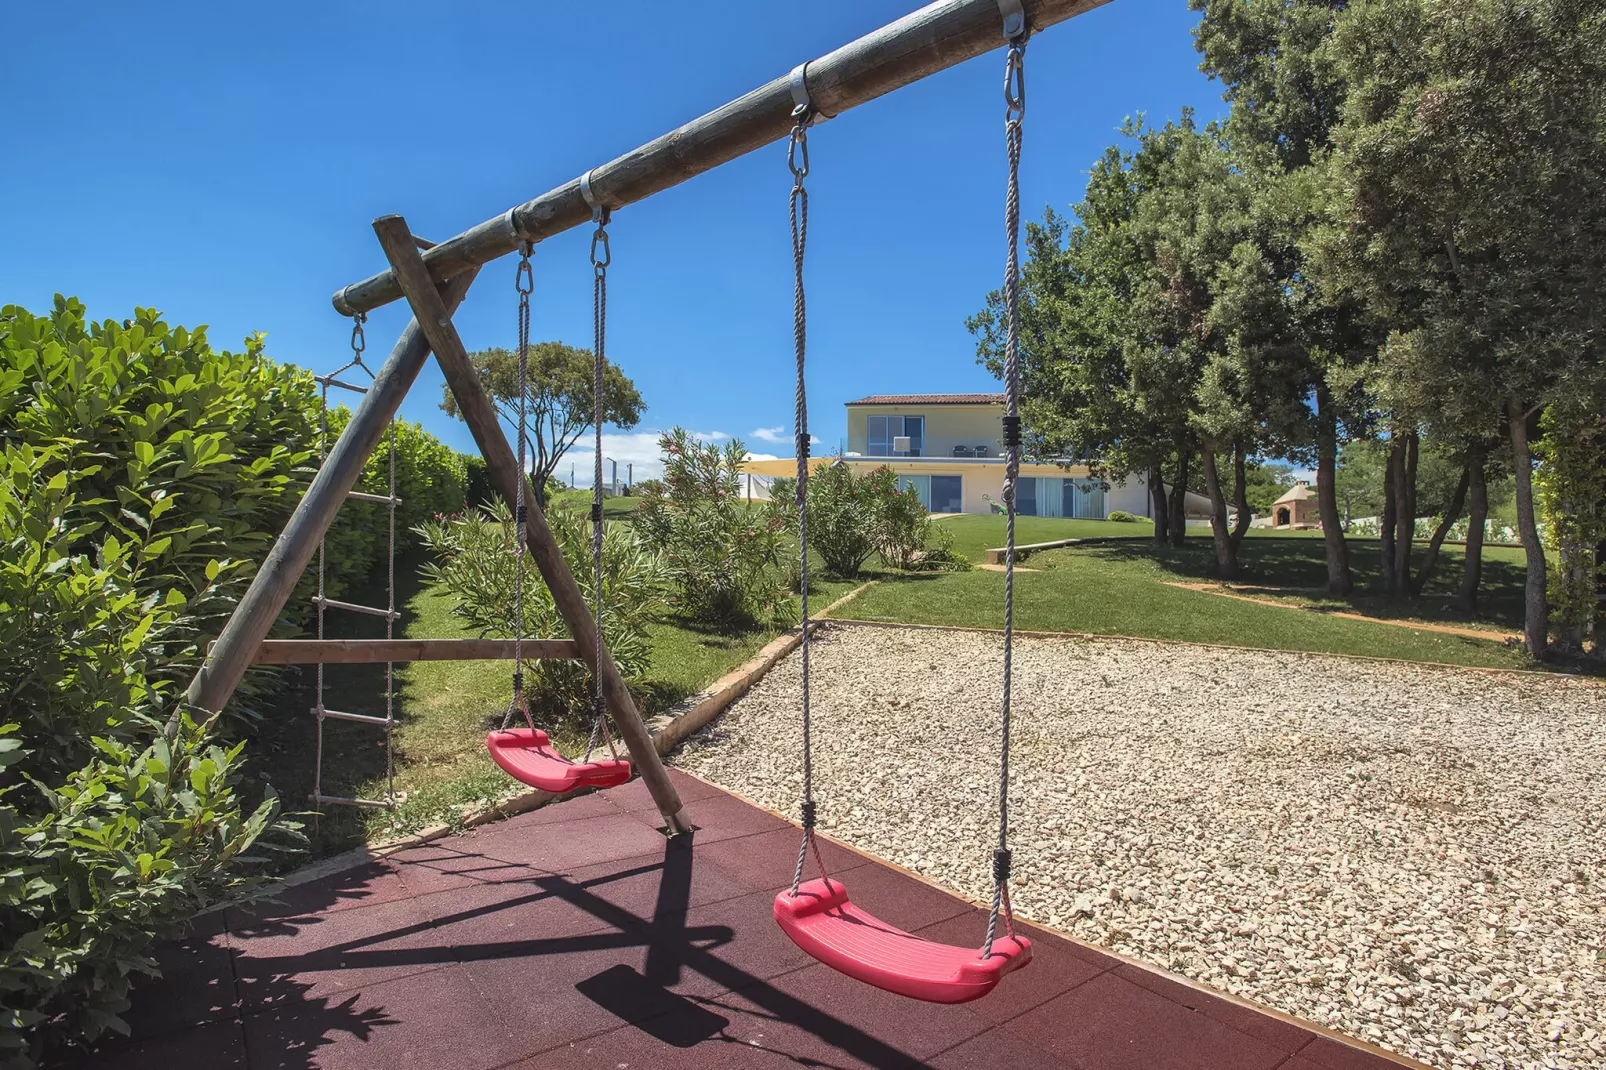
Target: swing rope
[601, 257]
[524, 283]
[797, 160]
[1014, 112]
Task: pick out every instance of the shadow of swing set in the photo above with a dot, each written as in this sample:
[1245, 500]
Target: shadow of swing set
[816, 914]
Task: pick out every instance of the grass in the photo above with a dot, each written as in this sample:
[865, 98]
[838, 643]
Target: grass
[444, 709]
[1121, 589]
[974, 533]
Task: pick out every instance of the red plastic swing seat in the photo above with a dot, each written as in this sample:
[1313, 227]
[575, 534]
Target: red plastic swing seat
[822, 921]
[528, 756]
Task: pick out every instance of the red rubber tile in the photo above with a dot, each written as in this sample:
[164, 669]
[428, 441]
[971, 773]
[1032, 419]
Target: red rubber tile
[1324, 1053]
[1056, 967]
[196, 986]
[362, 886]
[433, 1020]
[434, 868]
[1274, 1031]
[573, 808]
[844, 1011]
[720, 818]
[677, 879]
[767, 859]
[1110, 1023]
[564, 844]
[634, 795]
[998, 1048]
[215, 1046]
[320, 955]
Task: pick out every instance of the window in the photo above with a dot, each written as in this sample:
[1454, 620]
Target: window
[1083, 499]
[922, 486]
[883, 430]
[947, 494]
[1026, 497]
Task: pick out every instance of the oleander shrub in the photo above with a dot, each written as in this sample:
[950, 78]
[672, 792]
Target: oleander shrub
[723, 555]
[474, 560]
[1121, 516]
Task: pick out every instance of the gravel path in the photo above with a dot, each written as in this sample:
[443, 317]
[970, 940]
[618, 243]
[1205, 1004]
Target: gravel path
[1413, 856]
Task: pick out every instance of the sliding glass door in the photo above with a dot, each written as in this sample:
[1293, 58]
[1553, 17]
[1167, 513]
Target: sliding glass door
[884, 431]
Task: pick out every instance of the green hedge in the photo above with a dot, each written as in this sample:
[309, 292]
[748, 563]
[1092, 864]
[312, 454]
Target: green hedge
[142, 476]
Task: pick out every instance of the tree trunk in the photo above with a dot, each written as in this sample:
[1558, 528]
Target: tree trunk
[1339, 579]
[1536, 622]
[1226, 549]
[1240, 495]
[1452, 513]
[1405, 513]
[1179, 501]
[1386, 523]
[1162, 526]
[1477, 516]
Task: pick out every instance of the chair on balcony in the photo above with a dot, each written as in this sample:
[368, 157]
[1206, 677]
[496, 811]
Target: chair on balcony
[961, 451]
[981, 451]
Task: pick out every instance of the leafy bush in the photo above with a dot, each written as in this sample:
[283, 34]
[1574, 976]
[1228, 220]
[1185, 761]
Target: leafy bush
[475, 561]
[110, 833]
[940, 555]
[723, 556]
[900, 525]
[1121, 516]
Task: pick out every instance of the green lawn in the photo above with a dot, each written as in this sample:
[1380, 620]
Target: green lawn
[974, 534]
[1120, 589]
[444, 710]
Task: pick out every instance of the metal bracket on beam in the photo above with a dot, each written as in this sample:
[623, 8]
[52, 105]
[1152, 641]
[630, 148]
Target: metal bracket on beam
[798, 82]
[1014, 16]
[599, 211]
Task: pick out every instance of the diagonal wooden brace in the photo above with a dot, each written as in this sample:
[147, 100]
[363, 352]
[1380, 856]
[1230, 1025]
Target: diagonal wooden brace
[435, 320]
[275, 581]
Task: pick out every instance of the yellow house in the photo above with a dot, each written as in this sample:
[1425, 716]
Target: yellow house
[947, 446]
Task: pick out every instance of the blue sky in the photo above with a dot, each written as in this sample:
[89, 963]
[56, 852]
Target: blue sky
[223, 162]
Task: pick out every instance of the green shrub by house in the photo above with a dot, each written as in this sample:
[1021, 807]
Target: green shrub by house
[475, 561]
[723, 557]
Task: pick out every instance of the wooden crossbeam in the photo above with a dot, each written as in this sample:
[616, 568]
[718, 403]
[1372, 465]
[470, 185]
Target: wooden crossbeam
[378, 651]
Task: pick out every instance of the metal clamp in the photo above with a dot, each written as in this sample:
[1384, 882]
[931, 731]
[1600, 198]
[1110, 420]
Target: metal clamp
[798, 81]
[1014, 16]
[599, 211]
[510, 223]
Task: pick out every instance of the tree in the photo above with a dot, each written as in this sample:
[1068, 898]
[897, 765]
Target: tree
[558, 399]
[1284, 103]
[1265, 482]
[1465, 172]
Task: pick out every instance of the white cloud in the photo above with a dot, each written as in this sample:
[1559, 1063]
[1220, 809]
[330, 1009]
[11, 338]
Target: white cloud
[779, 435]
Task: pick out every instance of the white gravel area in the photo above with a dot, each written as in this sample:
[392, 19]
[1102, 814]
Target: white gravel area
[1411, 855]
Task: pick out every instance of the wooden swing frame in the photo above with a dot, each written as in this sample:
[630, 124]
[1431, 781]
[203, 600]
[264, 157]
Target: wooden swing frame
[434, 283]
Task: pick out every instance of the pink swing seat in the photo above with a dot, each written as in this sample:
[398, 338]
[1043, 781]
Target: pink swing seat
[528, 756]
[822, 921]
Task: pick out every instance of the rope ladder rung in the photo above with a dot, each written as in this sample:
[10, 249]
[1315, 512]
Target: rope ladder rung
[361, 718]
[364, 496]
[352, 607]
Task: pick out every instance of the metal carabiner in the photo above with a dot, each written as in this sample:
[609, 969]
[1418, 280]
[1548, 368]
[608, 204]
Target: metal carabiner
[599, 238]
[524, 280]
[359, 341]
[1015, 80]
[800, 140]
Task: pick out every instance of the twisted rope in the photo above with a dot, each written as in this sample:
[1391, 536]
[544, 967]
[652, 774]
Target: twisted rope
[1015, 111]
[601, 257]
[524, 283]
[797, 159]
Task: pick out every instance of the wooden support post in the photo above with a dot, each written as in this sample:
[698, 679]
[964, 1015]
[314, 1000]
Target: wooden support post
[433, 314]
[275, 581]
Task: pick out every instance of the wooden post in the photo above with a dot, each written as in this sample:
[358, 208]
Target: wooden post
[432, 313]
[275, 581]
[923, 42]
